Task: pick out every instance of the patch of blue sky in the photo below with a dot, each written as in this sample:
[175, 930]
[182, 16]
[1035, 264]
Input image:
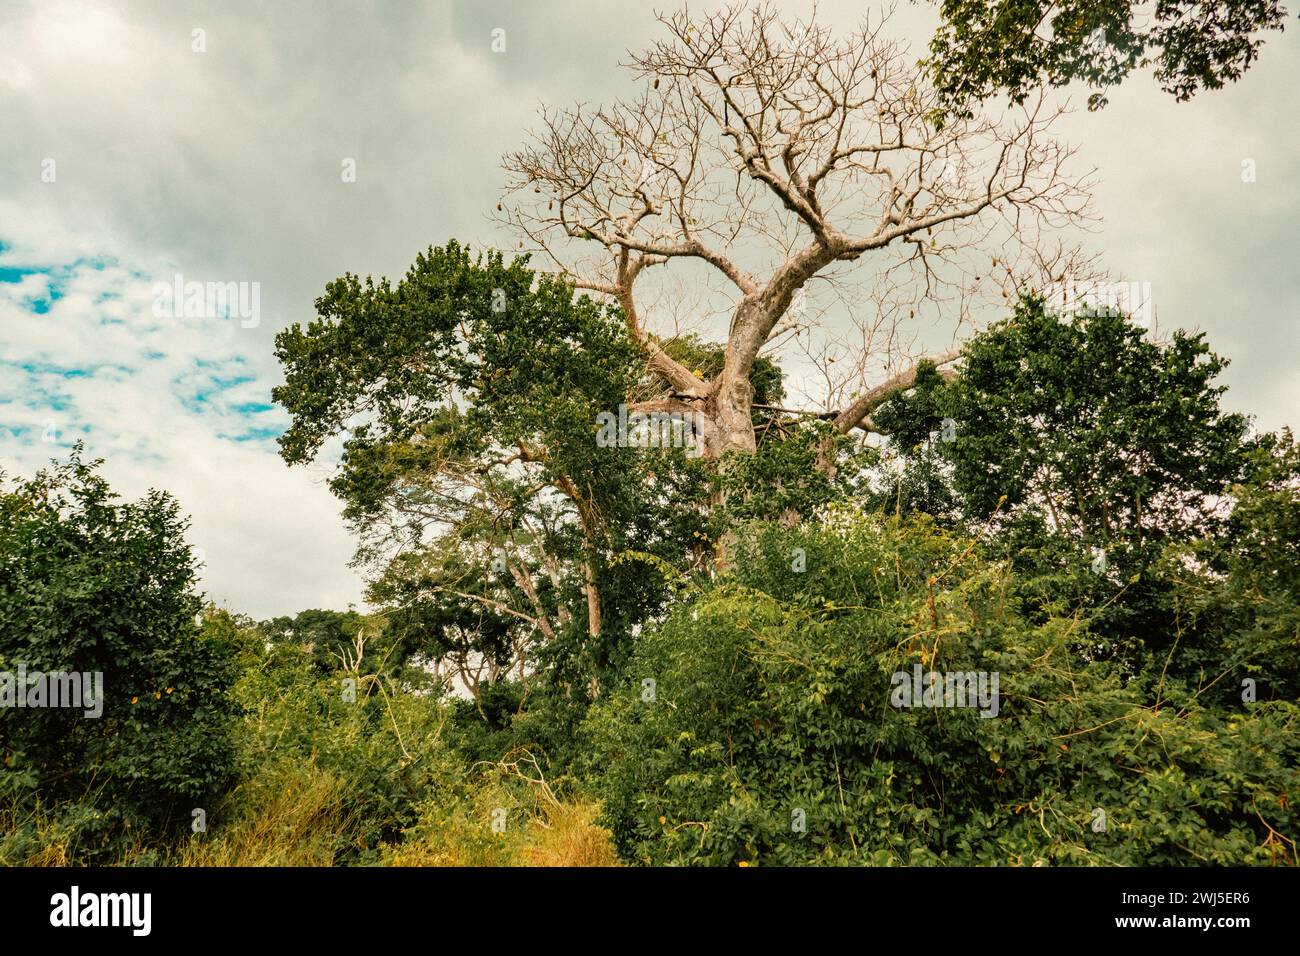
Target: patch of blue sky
[220, 363]
[233, 381]
[16, 273]
[64, 436]
[57, 276]
[40, 304]
[197, 403]
[54, 402]
[252, 435]
[38, 396]
[211, 397]
[49, 368]
[98, 263]
[244, 416]
[51, 433]
[252, 408]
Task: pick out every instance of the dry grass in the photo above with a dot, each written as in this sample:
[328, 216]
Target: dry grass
[541, 829]
[561, 834]
[47, 845]
[571, 839]
[296, 815]
[291, 825]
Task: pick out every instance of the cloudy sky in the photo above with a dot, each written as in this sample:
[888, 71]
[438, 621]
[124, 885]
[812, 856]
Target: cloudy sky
[128, 157]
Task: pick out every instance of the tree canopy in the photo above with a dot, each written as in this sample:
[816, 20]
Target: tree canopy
[985, 47]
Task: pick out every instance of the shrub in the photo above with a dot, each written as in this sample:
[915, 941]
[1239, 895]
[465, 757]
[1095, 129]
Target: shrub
[771, 707]
[323, 780]
[90, 584]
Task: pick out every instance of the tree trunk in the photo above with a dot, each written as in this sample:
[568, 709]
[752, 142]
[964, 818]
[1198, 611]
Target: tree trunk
[732, 427]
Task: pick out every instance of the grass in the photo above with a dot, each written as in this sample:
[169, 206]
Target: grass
[299, 815]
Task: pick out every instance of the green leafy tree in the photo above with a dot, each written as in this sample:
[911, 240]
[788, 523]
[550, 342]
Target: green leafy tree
[92, 584]
[331, 635]
[917, 476]
[1086, 424]
[1086, 448]
[1238, 592]
[468, 397]
[984, 47]
[799, 469]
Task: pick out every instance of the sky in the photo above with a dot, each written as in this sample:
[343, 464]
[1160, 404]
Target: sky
[142, 142]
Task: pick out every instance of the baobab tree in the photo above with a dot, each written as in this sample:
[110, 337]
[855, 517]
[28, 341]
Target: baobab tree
[760, 155]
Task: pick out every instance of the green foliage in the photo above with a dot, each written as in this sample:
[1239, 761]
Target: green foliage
[331, 635]
[485, 505]
[1238, 594]
[459, 361]
[91, 584]
[708, 646]
[376, 744]
[797, 471]
[772, 695]
[1074, 435]
[920, 478]
[984, 47]
[1090, 424]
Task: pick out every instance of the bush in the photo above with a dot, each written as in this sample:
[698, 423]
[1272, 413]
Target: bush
[770, 736]
[89, 584]
[323, 780]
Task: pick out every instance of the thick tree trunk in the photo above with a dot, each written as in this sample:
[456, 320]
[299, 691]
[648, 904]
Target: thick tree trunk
[732, 425]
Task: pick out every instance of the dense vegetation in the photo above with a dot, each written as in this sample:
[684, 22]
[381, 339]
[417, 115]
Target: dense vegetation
[584, 654]
[1036, 602]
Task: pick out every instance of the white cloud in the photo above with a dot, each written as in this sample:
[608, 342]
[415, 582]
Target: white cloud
[171, 404]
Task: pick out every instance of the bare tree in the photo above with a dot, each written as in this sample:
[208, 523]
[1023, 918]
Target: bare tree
[761, 155]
